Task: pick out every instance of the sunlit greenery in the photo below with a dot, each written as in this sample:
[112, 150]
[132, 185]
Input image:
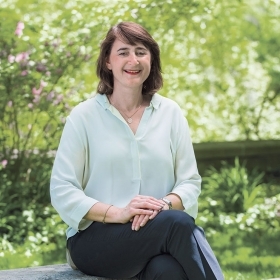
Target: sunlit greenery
[220, 62]
[220, 58]
[241, 216]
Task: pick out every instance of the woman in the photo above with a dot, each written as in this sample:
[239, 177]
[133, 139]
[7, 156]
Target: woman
[125, 177]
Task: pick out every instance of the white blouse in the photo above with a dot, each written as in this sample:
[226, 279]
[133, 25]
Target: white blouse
[100, 159]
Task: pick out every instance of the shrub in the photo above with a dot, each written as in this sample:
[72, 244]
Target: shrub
[231, 189]
[36, 87]
[240, 220]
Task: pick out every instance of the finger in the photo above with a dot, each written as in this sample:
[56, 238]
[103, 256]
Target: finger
[137, 210]
[144, 221]
[148, 204]
[149, 199]
[134, 222]
[137, 221]
[141, 221]
[153, 215]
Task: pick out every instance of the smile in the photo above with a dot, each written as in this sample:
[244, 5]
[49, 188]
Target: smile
[132, 72]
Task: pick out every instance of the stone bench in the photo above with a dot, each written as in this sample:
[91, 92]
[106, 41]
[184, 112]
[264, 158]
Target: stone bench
[52, 272]
[48, 272]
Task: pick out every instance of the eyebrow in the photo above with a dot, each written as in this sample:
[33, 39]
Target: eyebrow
[126, 48]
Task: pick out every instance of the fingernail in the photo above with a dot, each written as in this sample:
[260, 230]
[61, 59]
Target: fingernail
[133, 228]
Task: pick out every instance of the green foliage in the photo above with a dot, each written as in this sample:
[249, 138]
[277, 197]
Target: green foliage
[241, 220]
[220, 58]
[44, 241]
[234, 196]
[35, 97]
[232, 189]
[247, 255]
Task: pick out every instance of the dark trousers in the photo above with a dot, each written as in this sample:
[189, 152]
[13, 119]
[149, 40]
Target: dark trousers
[168, 247]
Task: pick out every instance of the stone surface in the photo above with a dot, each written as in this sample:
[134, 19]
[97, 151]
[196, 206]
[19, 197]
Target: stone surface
[48, 272]
[52, 272]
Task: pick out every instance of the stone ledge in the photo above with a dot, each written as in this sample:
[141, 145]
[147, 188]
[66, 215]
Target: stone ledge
[52, 272]
[48, 272]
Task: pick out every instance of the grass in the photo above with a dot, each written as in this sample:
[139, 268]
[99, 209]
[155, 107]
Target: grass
[22, 258]
[234, 275]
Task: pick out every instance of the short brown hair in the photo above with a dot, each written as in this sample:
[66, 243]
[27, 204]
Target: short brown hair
[130, 33]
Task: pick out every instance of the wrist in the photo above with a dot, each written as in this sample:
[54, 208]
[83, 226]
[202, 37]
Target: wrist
[165, 207]
[119, 215]
[113, 215]
[105, 214]
[168, 203]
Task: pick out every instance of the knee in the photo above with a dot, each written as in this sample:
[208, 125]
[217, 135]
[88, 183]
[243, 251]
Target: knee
[179, 218]
[163, 267]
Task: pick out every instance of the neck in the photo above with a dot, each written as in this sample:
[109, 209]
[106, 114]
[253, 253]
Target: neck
[126, 100]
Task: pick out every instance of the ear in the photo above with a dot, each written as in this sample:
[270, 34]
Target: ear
[108, 64]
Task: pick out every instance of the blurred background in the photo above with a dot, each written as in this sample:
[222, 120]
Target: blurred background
[221, 64]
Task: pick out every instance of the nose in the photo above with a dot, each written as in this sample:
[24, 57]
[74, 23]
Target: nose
[133, 59]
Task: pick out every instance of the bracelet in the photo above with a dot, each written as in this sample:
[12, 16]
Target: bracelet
[103, 221]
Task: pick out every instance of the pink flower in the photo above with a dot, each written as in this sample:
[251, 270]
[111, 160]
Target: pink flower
[11, 58]
[4, 163]
[43, 84]
[10, 103]
[30, 105]
[37, 91]
[22, 57]
[36, 99]
[20, 27]
[24, 73]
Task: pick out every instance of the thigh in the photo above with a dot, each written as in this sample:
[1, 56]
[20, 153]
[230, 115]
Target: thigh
[116, 251]
[112, 250]
[162, 267]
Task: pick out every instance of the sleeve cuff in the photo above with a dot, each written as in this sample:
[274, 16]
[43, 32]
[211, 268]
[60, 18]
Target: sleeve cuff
[80, 211]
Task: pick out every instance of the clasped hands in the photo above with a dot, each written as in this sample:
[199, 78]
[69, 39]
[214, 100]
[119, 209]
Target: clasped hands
[141, 209]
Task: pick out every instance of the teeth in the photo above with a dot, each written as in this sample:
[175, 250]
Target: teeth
[132, 71]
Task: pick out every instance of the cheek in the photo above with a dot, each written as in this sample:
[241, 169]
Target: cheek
[149, 67]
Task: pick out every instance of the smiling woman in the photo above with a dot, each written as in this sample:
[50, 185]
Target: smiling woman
[130, 66]
[130, 35]
[125, 177]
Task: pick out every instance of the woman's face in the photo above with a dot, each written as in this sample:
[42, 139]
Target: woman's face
[130, 65]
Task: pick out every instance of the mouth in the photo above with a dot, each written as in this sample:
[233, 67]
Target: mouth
[132, 72]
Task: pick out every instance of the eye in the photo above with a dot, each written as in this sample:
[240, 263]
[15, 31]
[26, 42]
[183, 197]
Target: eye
[140, 53]
[123, 53]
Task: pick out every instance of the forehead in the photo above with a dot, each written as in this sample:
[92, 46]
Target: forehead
[120, 45]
